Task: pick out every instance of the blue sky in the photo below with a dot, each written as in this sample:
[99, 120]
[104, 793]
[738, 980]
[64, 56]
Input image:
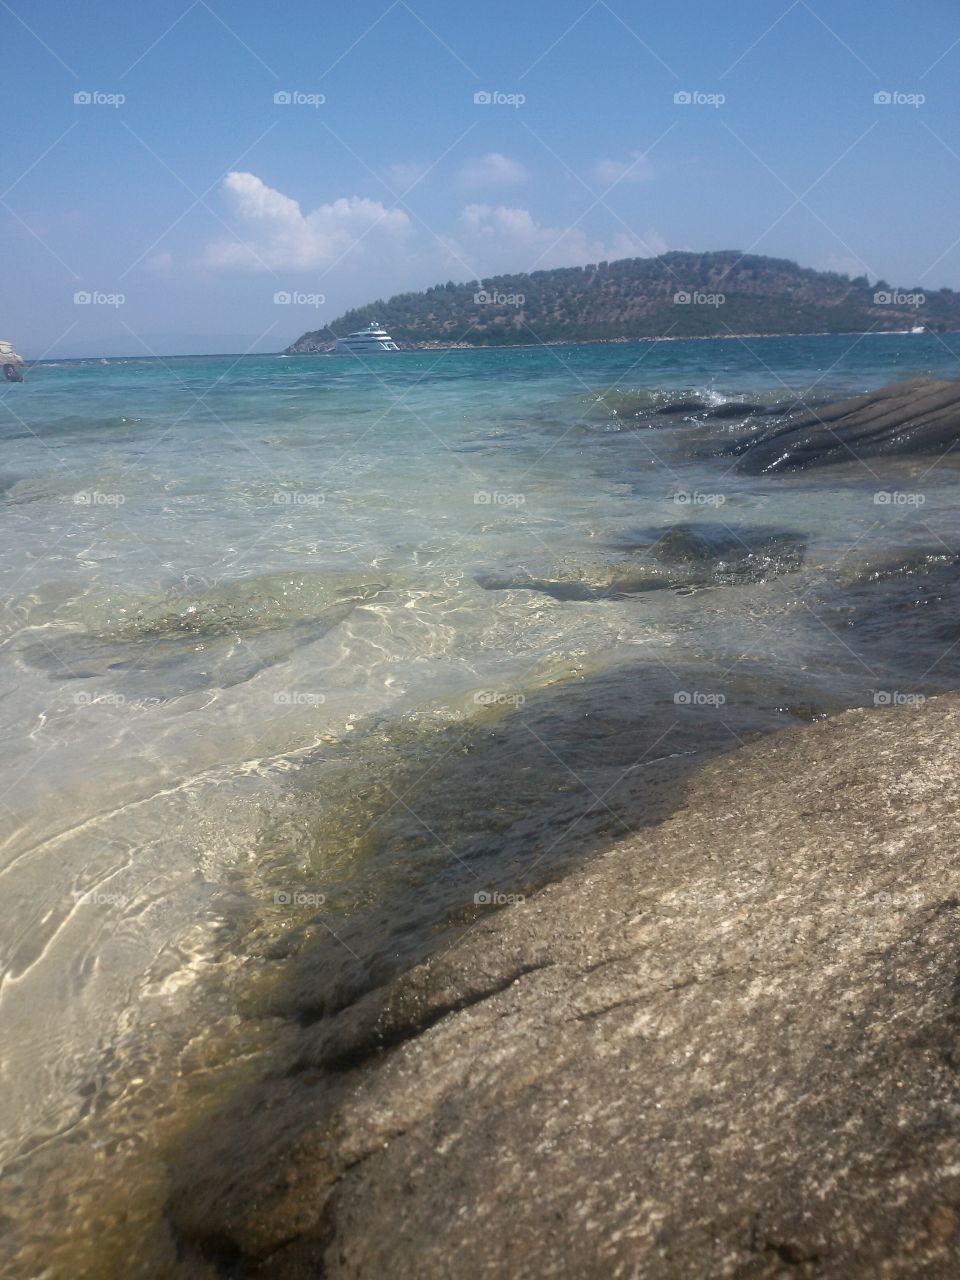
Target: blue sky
[199, 197]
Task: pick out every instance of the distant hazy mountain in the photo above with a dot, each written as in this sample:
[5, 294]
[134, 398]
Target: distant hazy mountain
[683, 295]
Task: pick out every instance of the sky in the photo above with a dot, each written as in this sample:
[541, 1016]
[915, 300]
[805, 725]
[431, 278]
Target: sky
[195, 176]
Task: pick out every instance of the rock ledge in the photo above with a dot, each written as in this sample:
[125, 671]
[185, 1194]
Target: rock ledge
[730, 1047]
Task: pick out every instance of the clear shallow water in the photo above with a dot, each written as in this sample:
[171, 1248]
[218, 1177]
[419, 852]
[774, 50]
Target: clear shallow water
[277, 630]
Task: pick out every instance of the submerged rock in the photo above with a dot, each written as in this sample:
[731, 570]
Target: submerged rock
[217, 637]
[169, 666]
[581, 583]
[727, 1048]
[917, 417]
[912, 562]
[682, 556]
[646, 404]
[734, 409]
[723, 554]
[675, 407]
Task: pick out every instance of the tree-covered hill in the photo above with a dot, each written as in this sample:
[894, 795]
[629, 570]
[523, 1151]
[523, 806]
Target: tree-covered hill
[676, 295]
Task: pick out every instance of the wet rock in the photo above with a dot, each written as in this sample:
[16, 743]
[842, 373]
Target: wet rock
[909, 563]
[729, 1047]
[725, 554]
[921, 416]
[795, 404]
[594, 583]
[902, 621]
[682, 556]
[734, 409]
[678, 407]
[171, 666]
[214, 638]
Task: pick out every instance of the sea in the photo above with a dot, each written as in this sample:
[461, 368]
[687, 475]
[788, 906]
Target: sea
[307, 663]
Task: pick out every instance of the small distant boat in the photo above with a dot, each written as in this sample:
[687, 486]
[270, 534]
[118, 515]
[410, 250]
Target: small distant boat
[11, 362]
[919, 328]
[372, 339]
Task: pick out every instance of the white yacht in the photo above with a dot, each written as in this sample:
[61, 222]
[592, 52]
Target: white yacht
[371, 339]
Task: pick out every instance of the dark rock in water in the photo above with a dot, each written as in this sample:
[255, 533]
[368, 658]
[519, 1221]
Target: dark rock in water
[683, 406]
[712, 543]
[734, 410]
[700, 543]
[910, 563]
[681, 556]
[697, 554]
[614, 584]
[902, 619]
[170, 666]
[798, 404]
[917, 417]
[216, 638]
[726, 1048]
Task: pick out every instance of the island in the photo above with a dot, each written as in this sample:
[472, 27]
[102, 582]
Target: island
[676, 295]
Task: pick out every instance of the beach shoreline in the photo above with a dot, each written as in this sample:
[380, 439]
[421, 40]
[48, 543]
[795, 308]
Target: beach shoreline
[438, 345]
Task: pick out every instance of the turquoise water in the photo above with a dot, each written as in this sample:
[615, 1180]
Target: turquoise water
[301, 655]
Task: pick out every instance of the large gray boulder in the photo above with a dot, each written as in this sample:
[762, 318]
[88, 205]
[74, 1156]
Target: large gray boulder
[921, 416]
[730, 1047]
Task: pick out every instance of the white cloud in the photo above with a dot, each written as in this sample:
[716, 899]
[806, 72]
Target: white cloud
[276, 234]
[846, 266]
[389, 252]
[637, 169]
[491, 170]
[161, 262]
[654, 243]
[509, 239]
